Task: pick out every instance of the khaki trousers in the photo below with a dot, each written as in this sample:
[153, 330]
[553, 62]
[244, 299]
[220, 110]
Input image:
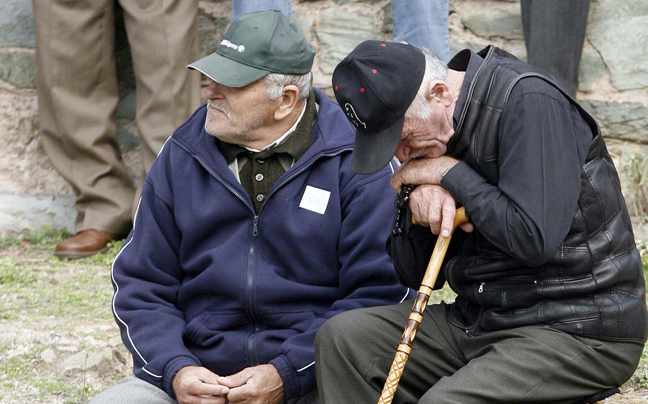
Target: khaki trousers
[78, 94]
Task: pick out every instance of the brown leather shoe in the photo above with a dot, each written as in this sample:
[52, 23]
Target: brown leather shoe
[84, 244]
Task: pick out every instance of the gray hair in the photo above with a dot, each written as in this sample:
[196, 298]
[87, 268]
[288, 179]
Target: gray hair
[435, 69]
[274, 84]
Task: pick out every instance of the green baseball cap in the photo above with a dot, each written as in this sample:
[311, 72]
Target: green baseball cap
[255, 45]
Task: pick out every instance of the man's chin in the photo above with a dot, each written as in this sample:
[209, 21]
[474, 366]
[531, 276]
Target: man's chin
[218, 133]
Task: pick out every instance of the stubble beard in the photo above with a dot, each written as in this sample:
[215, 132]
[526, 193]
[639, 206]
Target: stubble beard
[230, 135]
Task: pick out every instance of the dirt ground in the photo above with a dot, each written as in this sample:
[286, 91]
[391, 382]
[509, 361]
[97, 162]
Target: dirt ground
[59, 342]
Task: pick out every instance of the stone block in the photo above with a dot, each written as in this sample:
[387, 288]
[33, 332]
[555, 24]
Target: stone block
[457, 46]
[623, 44]
[338, 32]
[352, 1]
[590, 70]
[127, 106]
[617, 29]
[82, 361]
[17, 24]
[305, 22]
[211, 31]
[388, 20]
[18, 68]
[127, 134]
[28, 212]
[494, 23]
[123, 58]
[621, 120]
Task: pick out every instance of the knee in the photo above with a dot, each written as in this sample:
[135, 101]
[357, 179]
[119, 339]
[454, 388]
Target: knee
[99, 399]
[341, 331]
[445, 391]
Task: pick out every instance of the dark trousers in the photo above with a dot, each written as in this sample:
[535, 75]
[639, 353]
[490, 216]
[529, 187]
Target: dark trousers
[355, 349]
[554, 32]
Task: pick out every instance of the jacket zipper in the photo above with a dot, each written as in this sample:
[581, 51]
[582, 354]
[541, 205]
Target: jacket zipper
[252, 357]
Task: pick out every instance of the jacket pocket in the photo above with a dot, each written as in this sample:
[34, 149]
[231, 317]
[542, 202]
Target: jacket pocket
[292, 321]
[207, 329]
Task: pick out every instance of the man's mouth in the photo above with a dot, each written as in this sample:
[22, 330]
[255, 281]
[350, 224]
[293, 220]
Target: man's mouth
[218, 108]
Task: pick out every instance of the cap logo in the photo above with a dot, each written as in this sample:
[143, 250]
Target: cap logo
[231, 45]
[353, 117]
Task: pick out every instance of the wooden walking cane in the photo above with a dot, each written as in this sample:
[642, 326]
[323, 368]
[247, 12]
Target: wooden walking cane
[416, 315]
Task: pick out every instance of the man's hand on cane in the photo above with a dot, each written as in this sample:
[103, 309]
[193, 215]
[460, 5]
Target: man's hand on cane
[431, 205]
[434, 207]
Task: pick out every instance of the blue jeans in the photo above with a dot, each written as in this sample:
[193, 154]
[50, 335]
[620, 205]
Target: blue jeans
[240, 7]
[423, 23]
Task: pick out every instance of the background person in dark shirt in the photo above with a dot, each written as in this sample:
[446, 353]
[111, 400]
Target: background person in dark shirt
[550, 305]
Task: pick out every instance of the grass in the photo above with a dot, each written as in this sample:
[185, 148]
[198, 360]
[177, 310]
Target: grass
[634, 168]
[55, 305]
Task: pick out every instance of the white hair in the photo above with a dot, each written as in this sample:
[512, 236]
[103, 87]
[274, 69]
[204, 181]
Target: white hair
[274, 84]
[435, 69]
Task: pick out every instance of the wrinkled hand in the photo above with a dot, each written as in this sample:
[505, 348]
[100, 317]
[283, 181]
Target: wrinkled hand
[198, 385]
[432, 206]
[422, 171]
[256, 385]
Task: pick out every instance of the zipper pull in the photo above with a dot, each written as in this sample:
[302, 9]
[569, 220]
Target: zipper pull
[481, 287]
[255, 228]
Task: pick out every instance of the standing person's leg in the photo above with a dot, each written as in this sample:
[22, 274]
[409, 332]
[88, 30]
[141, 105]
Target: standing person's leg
[534, 365]
[240, 7]
[163, 37]
[354, 351]
[132, 390]
[423, 23]
[77, 99]
[554, 32]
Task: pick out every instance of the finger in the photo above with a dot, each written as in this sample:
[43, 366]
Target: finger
[447, 218]
[434, 215]
[396, 181]
[401, 176]
[467, 227]
[417, 213]
[239, 394]
[210, 400]
[237, 379]
[209, 389]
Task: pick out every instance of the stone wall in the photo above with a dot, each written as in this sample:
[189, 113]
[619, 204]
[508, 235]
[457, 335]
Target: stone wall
[613, 82]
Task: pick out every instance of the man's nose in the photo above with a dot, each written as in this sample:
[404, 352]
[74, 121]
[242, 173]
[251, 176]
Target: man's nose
[213, 90]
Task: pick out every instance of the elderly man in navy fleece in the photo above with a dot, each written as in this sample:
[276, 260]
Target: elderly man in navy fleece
[251, 232]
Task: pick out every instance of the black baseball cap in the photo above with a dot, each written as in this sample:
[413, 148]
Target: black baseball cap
[375, 85]
[255, 45]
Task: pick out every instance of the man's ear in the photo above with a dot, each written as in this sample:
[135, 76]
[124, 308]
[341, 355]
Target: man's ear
[439, 91]
[288, 101]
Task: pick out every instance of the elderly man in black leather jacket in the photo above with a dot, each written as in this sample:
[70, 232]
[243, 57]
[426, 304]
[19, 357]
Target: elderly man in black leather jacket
[551, 296]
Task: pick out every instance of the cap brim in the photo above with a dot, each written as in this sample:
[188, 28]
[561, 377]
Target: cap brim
[373, 152]
[226, 71]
